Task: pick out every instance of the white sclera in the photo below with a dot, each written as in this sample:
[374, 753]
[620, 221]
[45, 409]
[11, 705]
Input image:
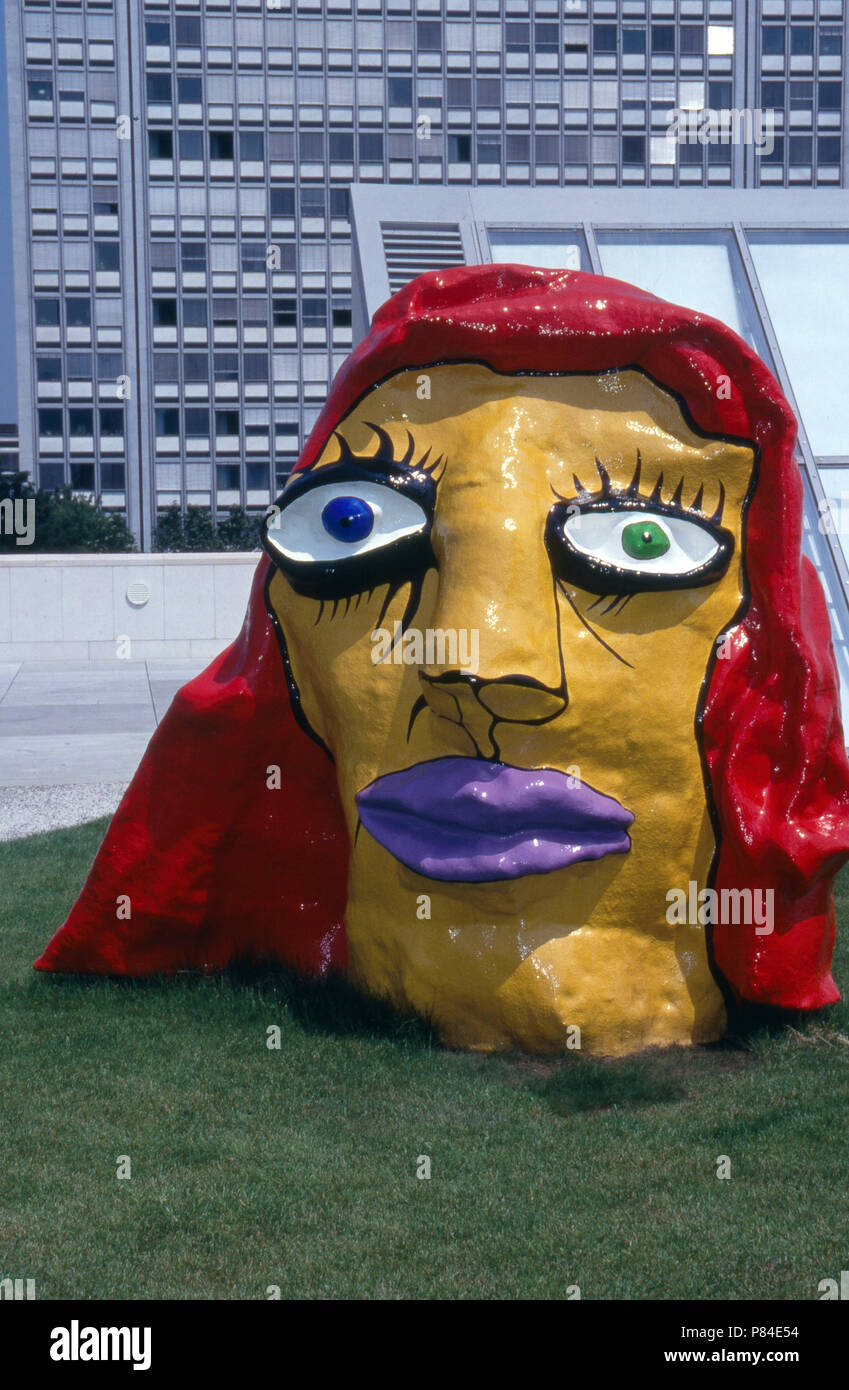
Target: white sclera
[599, 536]
[299, 533]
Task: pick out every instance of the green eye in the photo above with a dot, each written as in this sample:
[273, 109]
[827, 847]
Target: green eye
[644, 540]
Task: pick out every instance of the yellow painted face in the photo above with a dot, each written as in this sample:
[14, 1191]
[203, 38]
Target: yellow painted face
[500, 597]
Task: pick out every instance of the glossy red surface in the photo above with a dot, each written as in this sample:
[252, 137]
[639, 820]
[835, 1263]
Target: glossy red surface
[218, 867]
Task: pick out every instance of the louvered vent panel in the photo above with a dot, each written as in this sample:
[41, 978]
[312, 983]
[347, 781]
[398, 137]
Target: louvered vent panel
[411, 250]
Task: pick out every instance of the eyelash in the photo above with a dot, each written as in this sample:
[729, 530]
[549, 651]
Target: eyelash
[420, 478]
[674, 507]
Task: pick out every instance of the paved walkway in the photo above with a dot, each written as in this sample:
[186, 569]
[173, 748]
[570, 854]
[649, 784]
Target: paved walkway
[71, 736]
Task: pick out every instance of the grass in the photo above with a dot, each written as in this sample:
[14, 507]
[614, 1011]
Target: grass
[297, 1167]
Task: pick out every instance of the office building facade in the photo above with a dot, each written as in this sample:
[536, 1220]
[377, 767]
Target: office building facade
[183, 290]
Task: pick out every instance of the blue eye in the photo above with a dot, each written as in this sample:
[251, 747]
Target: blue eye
[348, 519]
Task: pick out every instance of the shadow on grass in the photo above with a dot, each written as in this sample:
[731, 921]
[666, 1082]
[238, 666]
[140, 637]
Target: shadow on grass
[591, 1084]
[328, 1005]
[570, 1083]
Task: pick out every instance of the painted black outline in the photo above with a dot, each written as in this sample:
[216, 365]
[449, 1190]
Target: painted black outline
[739, 441]
[398, 562]
[572, 566]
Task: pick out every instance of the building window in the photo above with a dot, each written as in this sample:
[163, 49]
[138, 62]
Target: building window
[801, 149]
[79, 366]
[191, 145]
[315, 313]
[50, 424]
[187, 31]
[775, 155]
[371, 147]
[634, 149]
[110, 365]
[193, 257]
[167, 421]
[78, 313]
[250, 145]
[282, 202]
[196, 366]
[228, 477]
[48, 368]
[692, 39]
[82, 476]
[256, 366]
[429, 35]
[284, 312]
[80, 423]
[160, 144]
[605, 38]
[194, 313]
[663, 38]
[256, 477]
[111, 423]
[197, 422]
[801, 40]
[227, 423]
[772, 39]
[166, 367]
[341, 146]
[159, 86]
[221, 144]
[107, 255]
[190, 90]
[253, 258]
[400, 91]
[634, 40]
[165, 313]
[227, 366]
[112, 477]
[546, 38]
[51, 476]
[47, 313]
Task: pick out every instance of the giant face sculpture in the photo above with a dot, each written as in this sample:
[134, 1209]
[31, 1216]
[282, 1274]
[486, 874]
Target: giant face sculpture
[543, 671]
[580, 538]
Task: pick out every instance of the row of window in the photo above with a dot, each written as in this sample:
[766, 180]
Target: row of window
[81, 422]
[315, 61]
[82, 476]
[72, 105]
[284, 312]
[461, 94]
[100, 51]
[79, 366]
[545, 36]
[312, 8]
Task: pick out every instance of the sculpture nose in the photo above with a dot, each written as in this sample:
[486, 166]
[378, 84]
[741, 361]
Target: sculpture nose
[477, 704]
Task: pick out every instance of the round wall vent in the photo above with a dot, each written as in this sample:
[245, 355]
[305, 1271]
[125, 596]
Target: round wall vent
[138, 593]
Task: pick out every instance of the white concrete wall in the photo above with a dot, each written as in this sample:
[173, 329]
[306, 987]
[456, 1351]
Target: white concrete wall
[75, 607]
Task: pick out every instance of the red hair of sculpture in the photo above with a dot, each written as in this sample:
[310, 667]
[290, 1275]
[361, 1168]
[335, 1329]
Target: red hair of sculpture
[220, 866]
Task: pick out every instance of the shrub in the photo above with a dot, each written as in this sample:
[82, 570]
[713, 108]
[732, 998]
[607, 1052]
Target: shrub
[63, 522]
[197, 529]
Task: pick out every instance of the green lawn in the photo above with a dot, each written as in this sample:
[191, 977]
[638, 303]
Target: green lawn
[297, 1167]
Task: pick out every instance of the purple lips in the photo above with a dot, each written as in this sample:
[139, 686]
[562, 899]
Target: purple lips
[464, 820]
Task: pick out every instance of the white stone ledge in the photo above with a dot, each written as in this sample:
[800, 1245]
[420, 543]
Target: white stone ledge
[25, 557]
[76, 607]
